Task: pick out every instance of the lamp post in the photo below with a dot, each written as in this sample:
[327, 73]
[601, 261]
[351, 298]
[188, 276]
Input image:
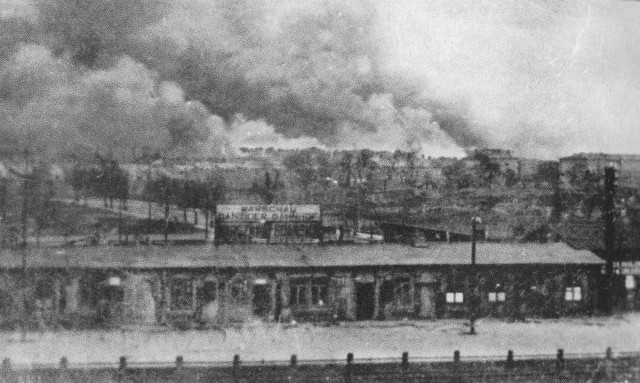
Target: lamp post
[472, 297]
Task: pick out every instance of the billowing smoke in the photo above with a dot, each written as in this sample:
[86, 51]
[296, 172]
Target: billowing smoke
[308, 69]
[51, 105]
[203, 75]
[119, 75]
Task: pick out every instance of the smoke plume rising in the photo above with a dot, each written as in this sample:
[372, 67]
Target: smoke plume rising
[206, 75]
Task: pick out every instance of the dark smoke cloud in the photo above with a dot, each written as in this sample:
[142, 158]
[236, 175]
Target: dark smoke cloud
[118, 75]
[95, 31]
[313, 74]
[67, 83]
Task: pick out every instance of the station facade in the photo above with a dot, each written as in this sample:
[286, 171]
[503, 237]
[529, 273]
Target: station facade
[217, 286]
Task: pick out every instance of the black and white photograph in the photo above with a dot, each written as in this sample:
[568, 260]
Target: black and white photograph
[337, 191]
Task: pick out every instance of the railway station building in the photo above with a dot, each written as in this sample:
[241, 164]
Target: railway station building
[207, 286]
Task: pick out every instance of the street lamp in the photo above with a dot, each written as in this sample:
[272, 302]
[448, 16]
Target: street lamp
[472, 297]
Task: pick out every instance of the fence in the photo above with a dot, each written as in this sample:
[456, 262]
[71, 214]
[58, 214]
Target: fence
[625, 367]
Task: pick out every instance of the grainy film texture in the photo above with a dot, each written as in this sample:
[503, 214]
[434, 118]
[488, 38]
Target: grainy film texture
[319, 191]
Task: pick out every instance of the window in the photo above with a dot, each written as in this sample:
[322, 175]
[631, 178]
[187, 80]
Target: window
[497, 296]
[573, 293]
[455, 297]
[298, 294]
[630, 282]
[318, 294]
[181, 294]
[308, 292]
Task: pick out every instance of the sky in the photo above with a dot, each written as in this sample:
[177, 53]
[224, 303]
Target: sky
[542, 78]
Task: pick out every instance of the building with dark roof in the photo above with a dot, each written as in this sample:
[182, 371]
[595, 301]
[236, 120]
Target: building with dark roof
[208, 285]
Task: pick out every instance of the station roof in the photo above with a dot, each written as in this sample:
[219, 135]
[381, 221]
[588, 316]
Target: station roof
[296, 256]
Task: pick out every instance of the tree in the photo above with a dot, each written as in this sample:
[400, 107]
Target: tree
[268, 188]
[411, 178]
[458, 176]
[214, 190]
[79, 179]
[488, 169]
[185, 196]
[548, 172]
[37, 193]
[40, 196]
[309, 166]
[162, 190]
[584, 188]
[345, 165]
[510, 178]
[205, 195]
[4, 198]
[363, 162]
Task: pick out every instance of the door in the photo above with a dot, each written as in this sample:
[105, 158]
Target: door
[209, 302]
[261, 300]
[365, 301]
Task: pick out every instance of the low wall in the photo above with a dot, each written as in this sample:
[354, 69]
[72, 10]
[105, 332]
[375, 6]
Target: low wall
[532, 368]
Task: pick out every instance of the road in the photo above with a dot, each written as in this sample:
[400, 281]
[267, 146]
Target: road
[140, 209]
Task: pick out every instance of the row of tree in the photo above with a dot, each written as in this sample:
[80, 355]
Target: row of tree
[26, 204]
[185, 193]
[107, 181]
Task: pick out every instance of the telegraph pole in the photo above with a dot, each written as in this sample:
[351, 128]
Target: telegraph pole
[472, 298]
[608, 214]
[24, 219]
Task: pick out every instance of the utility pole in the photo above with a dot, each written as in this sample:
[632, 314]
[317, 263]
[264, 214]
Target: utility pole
[120, 222]
[608, 214]
[24, 284]
[472, 298]
[557, 197]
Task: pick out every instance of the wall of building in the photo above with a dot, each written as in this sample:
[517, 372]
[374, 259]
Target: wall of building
[218, 298]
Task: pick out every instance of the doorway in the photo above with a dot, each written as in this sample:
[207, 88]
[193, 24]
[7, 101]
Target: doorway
[261, 300]
[365, 301]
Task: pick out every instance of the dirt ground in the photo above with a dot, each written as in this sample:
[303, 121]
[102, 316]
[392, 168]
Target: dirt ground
[260, 341]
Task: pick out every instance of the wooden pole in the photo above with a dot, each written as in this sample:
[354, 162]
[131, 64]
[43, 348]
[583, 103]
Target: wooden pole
[608, 214]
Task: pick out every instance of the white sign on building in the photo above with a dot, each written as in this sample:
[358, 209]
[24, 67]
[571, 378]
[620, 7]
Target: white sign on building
[257, 213]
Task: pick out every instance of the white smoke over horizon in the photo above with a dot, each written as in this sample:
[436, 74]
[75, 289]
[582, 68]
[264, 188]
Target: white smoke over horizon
[543, 79]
